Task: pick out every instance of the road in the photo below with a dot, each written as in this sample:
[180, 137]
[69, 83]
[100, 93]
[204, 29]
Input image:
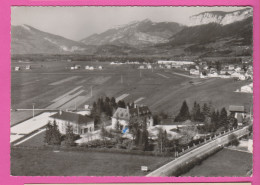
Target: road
[169, 168]
[180, 74]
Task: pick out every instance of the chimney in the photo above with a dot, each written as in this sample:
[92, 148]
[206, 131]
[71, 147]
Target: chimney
[60, 112]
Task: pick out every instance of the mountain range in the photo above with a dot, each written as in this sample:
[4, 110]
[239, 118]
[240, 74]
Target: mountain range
[207, 31]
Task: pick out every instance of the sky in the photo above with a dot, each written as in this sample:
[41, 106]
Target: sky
[77, 23]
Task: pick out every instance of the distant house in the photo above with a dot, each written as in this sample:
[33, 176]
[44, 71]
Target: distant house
[27, 67]
[249, 74]
[235, 75]
[86, 67]
[149, 66]
[213, 70]
[242, 77]
[17, 68]
[194, 72]
[141, 67]
[77, 66]
[100, 67]
[72, 68]
[247, 88]
[213, 74]
[226, 72]
[122, 116]
[91, 68]
[231, 67]
[80, 124]
[238, 69]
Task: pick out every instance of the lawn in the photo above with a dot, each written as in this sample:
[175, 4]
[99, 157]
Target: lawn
[33, 162]
[224, 163]
[159, 93]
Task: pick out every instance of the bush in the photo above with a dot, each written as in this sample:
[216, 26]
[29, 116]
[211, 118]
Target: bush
[233, 140]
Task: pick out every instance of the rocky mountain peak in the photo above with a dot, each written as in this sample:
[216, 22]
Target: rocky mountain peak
[220, 17]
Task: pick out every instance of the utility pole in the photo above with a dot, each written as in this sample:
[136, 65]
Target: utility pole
[33, 109]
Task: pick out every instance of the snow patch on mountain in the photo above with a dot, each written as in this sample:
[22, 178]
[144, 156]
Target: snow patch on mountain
[222, 18]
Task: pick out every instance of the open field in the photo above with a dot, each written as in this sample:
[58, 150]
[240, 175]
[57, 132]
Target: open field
[157, 91]
[224, 163]
[33, 162]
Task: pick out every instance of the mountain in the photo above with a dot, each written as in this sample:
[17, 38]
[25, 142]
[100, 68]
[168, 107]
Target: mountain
[216, 40]
[220, 17]
[138, 33]
[29, 40]
[212, 32]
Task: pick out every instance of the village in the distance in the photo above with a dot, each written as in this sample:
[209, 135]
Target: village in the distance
[148, 99]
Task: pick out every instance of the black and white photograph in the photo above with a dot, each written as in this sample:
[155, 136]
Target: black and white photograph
[132, 91]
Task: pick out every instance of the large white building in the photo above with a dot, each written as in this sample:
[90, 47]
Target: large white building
[122, 116]
[81, 124]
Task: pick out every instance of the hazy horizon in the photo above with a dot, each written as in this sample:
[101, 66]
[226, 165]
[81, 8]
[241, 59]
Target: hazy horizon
[76, 23]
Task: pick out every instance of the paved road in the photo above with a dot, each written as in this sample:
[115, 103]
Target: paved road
[169, 168]
[180, 74]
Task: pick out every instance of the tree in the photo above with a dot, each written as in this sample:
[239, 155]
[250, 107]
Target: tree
[233, 140]
[143, 140]
[48, 133]
[206, 110]
[184, 113]
[70, 136]
[218, 66]
[223, 118]
[52, 134]
[199, 116]
[134, 127]
[194, 111]
[162, 140]
[56, 135]
[121, 104]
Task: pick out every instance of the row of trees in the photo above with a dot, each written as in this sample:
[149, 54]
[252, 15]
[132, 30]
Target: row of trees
[108, 106]
[212, 118]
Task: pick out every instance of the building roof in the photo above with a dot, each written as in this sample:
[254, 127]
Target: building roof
[72, 117]
[235, 108]
[125, 113]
